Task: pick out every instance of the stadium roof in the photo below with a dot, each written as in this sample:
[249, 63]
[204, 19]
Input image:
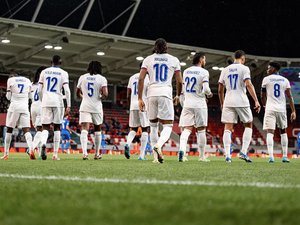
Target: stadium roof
[26, 51]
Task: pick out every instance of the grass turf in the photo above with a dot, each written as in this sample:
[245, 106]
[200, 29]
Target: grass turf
[25, 201]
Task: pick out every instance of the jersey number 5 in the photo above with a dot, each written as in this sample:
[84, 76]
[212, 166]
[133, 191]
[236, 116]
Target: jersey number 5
[90, 89]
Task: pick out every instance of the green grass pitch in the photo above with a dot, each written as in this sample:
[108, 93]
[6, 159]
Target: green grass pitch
[118, 191]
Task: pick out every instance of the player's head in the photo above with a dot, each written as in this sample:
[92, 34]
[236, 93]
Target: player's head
[199, 59]
[240, 55]
[160, 46]
[95, 67]
[273, 68]
[56, 60]
[37, 74]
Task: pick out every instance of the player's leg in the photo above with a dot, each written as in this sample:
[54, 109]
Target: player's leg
[269, 125]
[284, 145]
[37, 138]
[63, 142]
[24, 122]
[130, 137]
[98, 135]
[56, 141]
[246, 117]
[152, 107]
[7, 142]
[144, 140]
[46, 120]
[187, 122]
[229, 118]
[201, 124]
[84, 139]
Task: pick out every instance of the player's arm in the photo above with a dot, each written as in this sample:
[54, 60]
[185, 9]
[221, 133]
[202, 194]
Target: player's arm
[263, 96]
[68, 96]
[179, 82]
[8, 91]
[142, 76]
[291, 102]
[104, 92]
[221, 90]
[128, 95]
[252, 92]
[206, 89]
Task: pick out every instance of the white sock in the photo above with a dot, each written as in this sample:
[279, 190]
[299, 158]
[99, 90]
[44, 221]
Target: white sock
[97, 142]
[130, 137]
[36, 139]
[284, 144]
[153, 136]
[184, 137]
[227, 142]
[270, 144]
[44, 137]
[247, 136]
[83, 140]
[40, 149]
[28, 138]
[7, 143]
[164, 134]
[144, 140]
[201, 139]
[56, 141]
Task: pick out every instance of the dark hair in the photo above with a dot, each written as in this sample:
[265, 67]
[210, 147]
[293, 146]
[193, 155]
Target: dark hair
[38, 73]
[160, 46]
[197, 57]
[275, 65]
[56, 60]
[95, 67]
[238, 54]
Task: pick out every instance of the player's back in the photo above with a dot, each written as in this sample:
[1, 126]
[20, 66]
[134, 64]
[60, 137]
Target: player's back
[161, 68]
[193, 77]
[90, 86]
[53, 79]
[233, 77]
[20, 88]
[276, 86]
[133, 85]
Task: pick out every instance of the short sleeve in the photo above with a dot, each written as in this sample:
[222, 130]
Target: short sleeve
[104, 82]
[177, 65]
[288, 85]
[79, 82]
[41, 80]
[65, 78]
[129, 83]
[145, 64]
[264, 83]
[246, 73]
[221, 79]
[206, 77]
[8, 84]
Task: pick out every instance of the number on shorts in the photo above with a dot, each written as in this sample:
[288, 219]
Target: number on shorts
[276, 90]
[51, 84]
[161, 72]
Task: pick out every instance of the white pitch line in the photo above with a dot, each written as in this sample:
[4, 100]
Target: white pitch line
[151, 181]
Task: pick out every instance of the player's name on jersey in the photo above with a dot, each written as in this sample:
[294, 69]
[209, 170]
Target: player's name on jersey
[232, 69]
[53, 72]
[193, 72]
[276, 79]
[161, 59]
[20, 80]
[91, 78]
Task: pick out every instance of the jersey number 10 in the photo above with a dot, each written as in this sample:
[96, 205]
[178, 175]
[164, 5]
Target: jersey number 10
[161, 72]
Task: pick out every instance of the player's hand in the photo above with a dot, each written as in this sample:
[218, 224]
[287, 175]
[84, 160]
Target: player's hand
[141, 105]
[257, 107]
[293, 116]
[210, 95]
[67, 111]
[176, 100]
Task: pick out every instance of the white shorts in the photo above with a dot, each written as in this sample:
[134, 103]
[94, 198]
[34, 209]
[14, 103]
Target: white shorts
[272, 118]
[138, 118]
[95, 118]
[161, 108]
[17, 119]
[231, 114]
[52, 115]
[196, 117]
[36, 116]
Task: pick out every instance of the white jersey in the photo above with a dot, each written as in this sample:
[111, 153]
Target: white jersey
[133, 85]
[161, 68]
[90, 86]
[20, 88]
[53, 79]
[36, 100]
[276, 86]
[193, 77]
[233, 77]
